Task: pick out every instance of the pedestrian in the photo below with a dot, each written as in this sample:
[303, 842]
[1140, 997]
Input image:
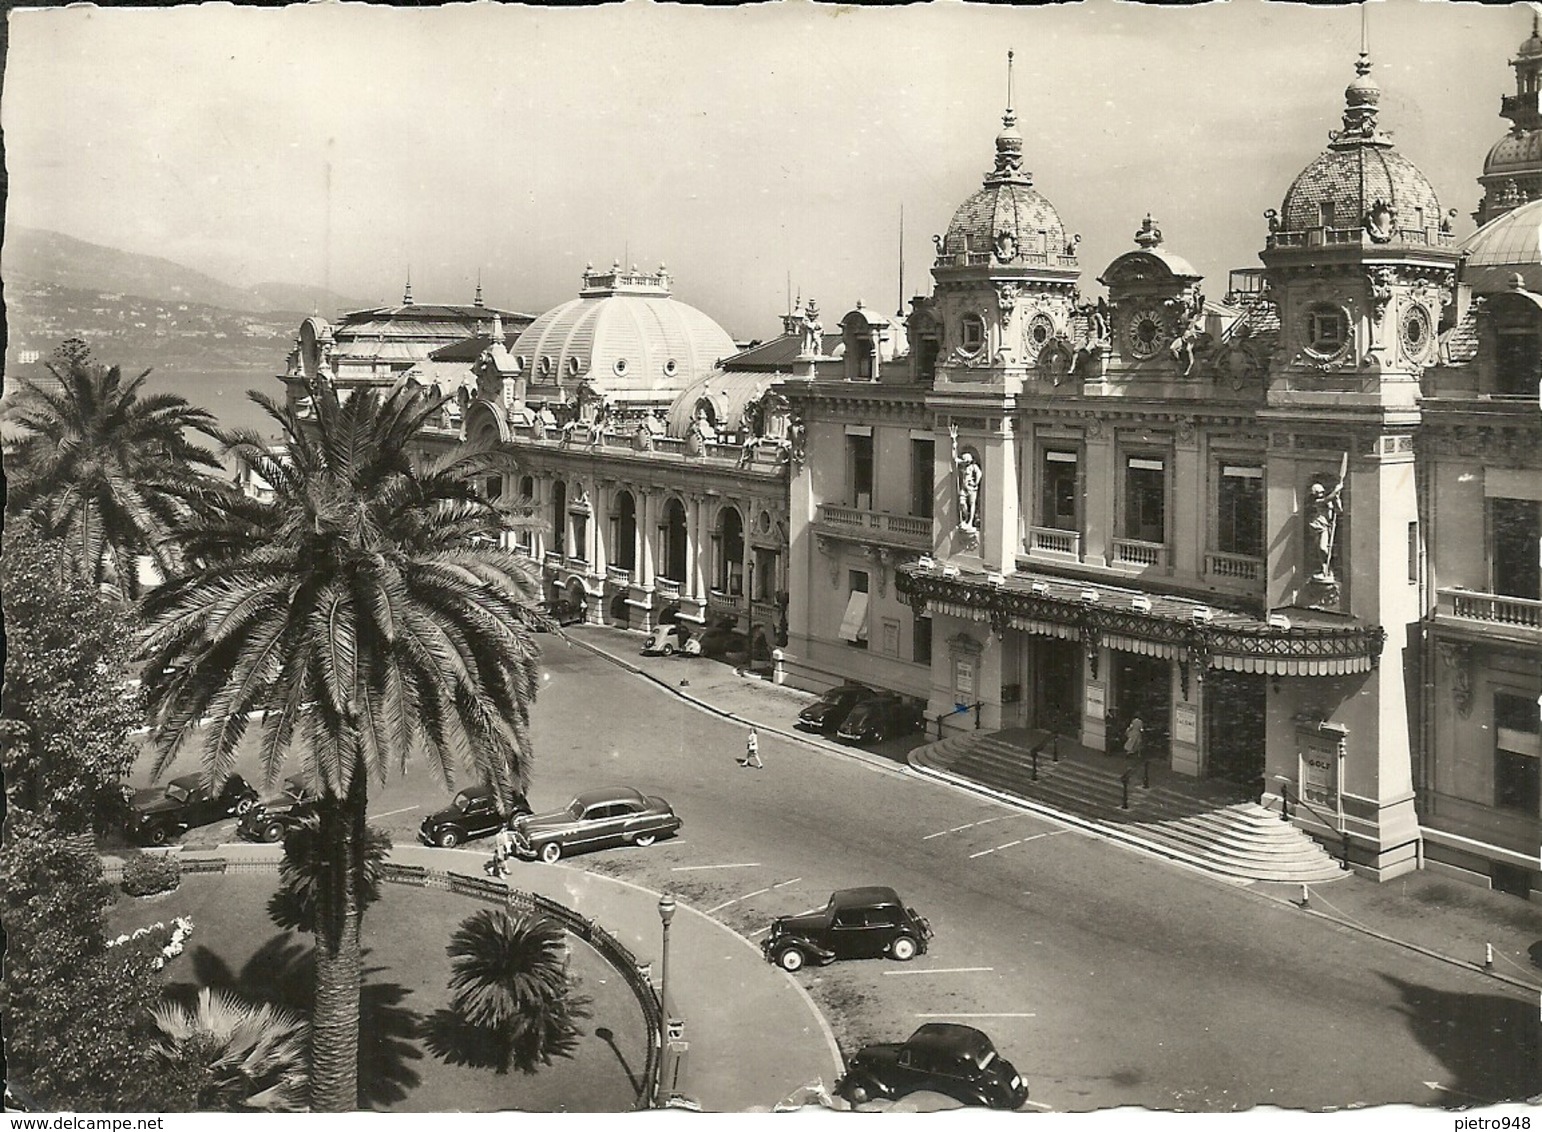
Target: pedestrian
[503, 849]
[1134, 736]
[752, 751]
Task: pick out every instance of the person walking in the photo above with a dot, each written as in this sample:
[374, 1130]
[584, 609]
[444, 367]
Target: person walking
[503, 849]
[1134, 737]
[752, 751]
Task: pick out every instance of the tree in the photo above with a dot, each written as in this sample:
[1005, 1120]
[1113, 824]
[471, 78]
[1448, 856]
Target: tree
[106, 470]
[369, 611]
[68, 704]
[511, 983]
[234, 1056]
[78, 1022]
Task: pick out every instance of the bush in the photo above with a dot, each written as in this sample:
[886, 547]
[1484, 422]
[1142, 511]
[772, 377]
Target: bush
[147, 875]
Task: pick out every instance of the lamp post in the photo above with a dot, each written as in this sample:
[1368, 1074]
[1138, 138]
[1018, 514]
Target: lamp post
[666, 914]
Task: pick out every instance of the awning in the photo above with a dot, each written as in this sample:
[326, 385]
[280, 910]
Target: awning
[854, 623]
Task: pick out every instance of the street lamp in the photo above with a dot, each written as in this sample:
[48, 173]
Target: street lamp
[666, 914]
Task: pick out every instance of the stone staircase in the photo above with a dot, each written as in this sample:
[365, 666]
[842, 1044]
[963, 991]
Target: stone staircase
[1199, 822]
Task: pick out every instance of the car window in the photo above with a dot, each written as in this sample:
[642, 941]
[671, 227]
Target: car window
[462, 801]
[177, 793]
[888, 916]
[849, 918]
[598, 813]
[575, 809]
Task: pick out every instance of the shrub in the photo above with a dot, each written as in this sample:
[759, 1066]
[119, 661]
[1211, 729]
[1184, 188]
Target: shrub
[146, 875]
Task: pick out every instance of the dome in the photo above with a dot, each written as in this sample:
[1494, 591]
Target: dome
[724, 397]
[1514, 153]
[625, 335]
[1509, 244]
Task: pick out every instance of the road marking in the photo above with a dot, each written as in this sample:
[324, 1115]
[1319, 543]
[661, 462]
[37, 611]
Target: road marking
[757, 892]
[389, 813]
[1040, 1105]
[695, 868]
[955, 1014]
[936, 970]
[1019, 841]
[969, 825]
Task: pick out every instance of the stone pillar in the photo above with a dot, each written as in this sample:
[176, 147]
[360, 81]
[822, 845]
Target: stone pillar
[1001, 532]
[1101, 475]
[1095, 699]
[1188, 721]
[1186, 488]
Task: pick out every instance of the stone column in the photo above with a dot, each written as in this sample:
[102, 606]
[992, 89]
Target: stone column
[1187, 488]
[1102, 475]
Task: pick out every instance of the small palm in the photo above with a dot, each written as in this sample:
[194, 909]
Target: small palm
[240, 1056]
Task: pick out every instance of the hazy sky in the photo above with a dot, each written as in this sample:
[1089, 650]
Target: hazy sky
[339, 144]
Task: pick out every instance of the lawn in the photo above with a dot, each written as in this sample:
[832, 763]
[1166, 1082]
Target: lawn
[406, 976]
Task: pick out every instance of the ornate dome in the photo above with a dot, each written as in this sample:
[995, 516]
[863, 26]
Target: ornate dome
[723, 398]
[625, 335]
[1507, 245]
[1007, 220]
[1514, 153]
[1360, 171]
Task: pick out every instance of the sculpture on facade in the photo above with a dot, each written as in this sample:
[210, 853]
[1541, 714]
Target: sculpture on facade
[967, 475]
[813, 332]
[1323, 506]
[1191, 336]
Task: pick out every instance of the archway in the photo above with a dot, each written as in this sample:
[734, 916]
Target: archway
[674, 541]
[729, 574]
[624, 531]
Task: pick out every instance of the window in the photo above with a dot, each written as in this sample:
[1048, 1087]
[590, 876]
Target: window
[1515, 535]
[926, 357]
[921, 641]
[1240, 510]
[559, 508]
[580, 536]
[854, 621]
[1517, 752]
[1518, 361]
[859, 471]
[1058, 494]
[1325, 214]
[922, 453]
[1327, 330]
[765, 574]
[1145, 500]
[971, 333]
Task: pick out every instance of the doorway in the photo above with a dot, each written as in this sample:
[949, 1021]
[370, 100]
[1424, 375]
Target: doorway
[1057, 686]
[1142, 685]
[1235, 706]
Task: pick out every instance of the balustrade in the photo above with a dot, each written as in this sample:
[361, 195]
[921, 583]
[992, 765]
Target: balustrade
[911, 529]
[1134, 552]
[668, 590]
[1245, 568]
[1496, 609]
[1052, 540]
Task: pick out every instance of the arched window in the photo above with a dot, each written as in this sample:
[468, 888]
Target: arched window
[729, 575]
[559, 518]
[674, 541]
[624, 531]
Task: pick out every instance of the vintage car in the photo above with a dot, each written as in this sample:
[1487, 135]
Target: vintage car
[857, 923]
[940, 1057]
[563, 611]
[273, 819]
[829, 711]
[878, 717]
[596, 819]
[472, 813]
[666, 640]
[722, 642]
[159, 814]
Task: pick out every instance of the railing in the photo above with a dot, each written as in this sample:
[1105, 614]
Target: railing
[1337, 827]
[1053, 540]
[723, 600]
[1496, 609]
[959, 709]
[668, 590]
[1243, 567]
[903, 528]
[620, 575]
[1033, 755]
[1134, 552]
[1317, 236]
[1144, 766]
[552, 559]
[581, 565]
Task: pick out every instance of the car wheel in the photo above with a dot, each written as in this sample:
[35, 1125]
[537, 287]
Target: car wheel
[668, 650]
[243, 806]
[790, 959]
[644, 840]
[157, 835]
[449, 839]
[903, 949]
[551, 852]
[273, 831]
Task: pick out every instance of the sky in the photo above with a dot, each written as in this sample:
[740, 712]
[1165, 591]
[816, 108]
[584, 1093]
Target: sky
[746, 148]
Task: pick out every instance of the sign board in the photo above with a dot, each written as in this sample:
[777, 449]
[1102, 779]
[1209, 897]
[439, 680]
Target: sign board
[963, 678]
[1186, 724]
[1320, 769]
[1095, 703]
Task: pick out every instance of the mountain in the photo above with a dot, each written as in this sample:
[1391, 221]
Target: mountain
[43, 257]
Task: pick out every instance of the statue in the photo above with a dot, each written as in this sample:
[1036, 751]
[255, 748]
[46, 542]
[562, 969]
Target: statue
[813, 332]
[1181, 348]
[1100, 323]
[798, 440]
[968, 475]
[1322, 520]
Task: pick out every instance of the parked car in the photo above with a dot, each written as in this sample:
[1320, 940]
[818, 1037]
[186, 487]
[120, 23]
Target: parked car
[471, 814]
[940, 1057]
[878, 717]
[857, 923]
[666, 640]
[829, 711]
[563, 611]
[597, 819]
[722, 642]
[161, 813]
[273, 819]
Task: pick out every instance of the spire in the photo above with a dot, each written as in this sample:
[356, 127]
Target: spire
[1009, 144]
[1149, 235]
[1362, 102]
[477, 302]
[407, 293]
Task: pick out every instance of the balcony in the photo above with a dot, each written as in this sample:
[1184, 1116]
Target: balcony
[577, 565]
[667, 590]
[1054, 542]
[875, 526]
[552, 560]
[725, 603]
[1233, 567]
[618, 575]
[1133, 553]
[1490, 612]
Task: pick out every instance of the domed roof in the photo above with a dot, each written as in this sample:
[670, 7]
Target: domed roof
[1507, 245]
[1359, 170]
[724, 397]
[625, 335]
[1515, 153]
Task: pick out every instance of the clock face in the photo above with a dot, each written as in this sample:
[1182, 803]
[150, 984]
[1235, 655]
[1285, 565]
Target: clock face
[1416, 333]
[1037, 334]
[1143, 332]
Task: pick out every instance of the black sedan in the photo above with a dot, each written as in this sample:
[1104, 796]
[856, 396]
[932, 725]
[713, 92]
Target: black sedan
[875, 719]
[598, 819]
[273, 819]
[940, 1057]
[857, 923]
[472, 813]
[829, 711]
[158, 815]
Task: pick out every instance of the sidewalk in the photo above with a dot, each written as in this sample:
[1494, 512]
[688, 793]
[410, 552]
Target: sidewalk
[1422, 911]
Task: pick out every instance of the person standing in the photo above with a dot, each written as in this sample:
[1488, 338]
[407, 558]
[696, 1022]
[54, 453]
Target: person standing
[752, 751]
[503, 849]
[1134, 737]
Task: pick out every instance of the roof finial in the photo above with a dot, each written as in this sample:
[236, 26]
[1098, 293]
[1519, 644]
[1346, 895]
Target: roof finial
[1009, 80]
[407, 293]
[478, 300]
[1365, 35]
[1009, 143]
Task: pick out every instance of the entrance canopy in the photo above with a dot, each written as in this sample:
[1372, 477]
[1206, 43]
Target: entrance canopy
[1177, 628]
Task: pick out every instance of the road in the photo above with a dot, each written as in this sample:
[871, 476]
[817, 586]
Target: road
[1108, 977]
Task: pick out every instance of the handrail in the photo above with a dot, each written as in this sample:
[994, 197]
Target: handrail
[1338, 827]
[959, 709]
[1039, 746]
[1144, 766]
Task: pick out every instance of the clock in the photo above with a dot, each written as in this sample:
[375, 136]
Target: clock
[1143, 332]
[1415, 333]
[1037, 334]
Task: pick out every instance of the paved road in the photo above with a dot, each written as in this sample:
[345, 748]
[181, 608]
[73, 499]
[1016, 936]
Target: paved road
[1108, 977]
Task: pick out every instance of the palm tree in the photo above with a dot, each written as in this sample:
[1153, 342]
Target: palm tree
[368, 611]
[236, 1056]
[106, 470]
[511, 983]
